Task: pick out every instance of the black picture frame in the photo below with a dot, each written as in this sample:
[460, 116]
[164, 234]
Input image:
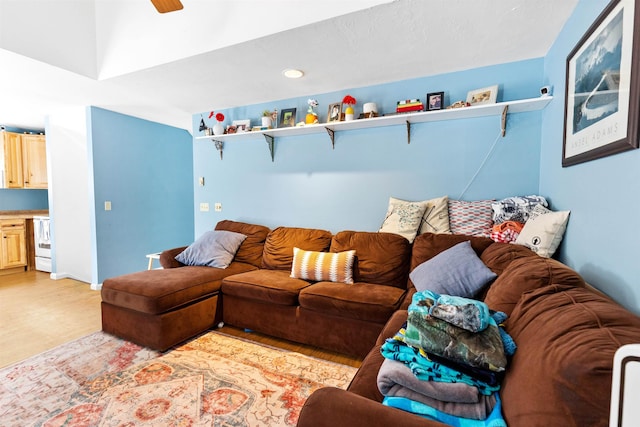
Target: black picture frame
[602, 92]
[287, 118]
[434, 101]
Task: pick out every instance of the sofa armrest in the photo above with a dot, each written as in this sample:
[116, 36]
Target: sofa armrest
[334, 407]
[168, 257]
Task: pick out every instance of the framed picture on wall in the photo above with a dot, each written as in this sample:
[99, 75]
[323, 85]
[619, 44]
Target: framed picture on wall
[287, 117]
[485, 95]
[602, 87]
[435, 101]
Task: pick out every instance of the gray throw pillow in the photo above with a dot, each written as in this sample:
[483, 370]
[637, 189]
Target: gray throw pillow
[457, 271]
[213, 249]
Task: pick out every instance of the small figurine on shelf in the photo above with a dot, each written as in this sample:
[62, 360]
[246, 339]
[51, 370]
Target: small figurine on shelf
[266, 119]
[312, 116]
[350, 101]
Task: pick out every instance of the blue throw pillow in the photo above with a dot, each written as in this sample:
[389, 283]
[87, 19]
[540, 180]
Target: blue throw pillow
[213, 249]
[456, 271]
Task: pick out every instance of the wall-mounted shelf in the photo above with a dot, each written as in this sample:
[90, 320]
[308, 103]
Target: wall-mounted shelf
[501, 109]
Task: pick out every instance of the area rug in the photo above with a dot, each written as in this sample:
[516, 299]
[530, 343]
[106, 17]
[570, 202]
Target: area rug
[213, 380]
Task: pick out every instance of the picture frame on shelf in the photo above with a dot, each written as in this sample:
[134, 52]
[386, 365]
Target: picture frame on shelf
[334, 112]
[435, 101]
[602, 87]
[242, 125]
[485, 95]
[287, 118]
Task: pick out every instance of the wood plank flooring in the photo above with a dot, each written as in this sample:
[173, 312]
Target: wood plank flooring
[37, 314]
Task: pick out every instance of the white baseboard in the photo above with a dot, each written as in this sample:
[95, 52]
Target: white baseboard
[58, 276]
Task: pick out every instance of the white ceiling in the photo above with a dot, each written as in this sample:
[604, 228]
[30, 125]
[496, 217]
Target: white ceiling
[124, 56]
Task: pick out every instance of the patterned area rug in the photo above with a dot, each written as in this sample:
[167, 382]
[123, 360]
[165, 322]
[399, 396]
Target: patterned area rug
[213, 380]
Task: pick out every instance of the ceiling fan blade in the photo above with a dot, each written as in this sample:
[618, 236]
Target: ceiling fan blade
[164, 6]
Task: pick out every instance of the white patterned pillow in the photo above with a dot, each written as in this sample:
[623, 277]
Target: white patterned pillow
[403, 218]
[471, 218]
[436, 216]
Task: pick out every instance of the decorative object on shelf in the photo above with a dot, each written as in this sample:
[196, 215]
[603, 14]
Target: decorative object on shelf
[546, 90]
[459, 104]
[435, 101]
[349, 101]
[369, 109]
[242, 125]
[409, 106]
[602, 87]
[486, 95]
[218, 128]
[203, 126]
[288, 117]
[312, 115]
[266, 119]
[334, 112]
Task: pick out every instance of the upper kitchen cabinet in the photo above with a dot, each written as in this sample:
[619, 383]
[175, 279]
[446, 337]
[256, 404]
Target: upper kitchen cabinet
[25, 161]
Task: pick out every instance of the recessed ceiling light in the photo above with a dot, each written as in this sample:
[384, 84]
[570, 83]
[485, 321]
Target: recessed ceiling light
[293, 73]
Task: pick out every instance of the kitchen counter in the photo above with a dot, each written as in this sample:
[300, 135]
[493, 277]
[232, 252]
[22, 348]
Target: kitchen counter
[26, 214]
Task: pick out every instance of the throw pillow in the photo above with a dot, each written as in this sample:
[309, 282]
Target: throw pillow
[323, 266]
[403, 218]
[457, 271]
[213, 249]
[471, 218]
[543, 233]
[436, 216]
[516, 208]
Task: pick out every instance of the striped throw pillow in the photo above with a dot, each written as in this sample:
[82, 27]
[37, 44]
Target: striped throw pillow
[323, 266]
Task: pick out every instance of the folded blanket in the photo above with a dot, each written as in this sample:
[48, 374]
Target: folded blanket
[428, 370]
[481, 349]
[395, 379]
[393, 373]
[495, 419]
[464, 313]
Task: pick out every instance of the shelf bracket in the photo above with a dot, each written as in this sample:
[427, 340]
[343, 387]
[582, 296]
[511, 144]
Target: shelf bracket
[331, 133]
[270, 140]
[219, 146]
[504, 120]
[408, 132]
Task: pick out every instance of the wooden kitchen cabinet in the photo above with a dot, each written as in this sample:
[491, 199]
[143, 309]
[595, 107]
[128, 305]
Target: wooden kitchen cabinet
[25, 161]
[34, 161]
[13, 245]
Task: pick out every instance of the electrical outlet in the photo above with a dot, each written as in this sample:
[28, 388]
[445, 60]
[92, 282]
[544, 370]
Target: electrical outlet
[107, 205]
[217, 207]
[204, 207]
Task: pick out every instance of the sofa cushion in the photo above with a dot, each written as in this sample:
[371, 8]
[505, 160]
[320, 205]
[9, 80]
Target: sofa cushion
[456, 271]
[562, 370]
[499, 256]
[270, 286]
[362, 301]
[213, 249]
[381, 258]
[250, 251]
[278, 248]
[318, 266]
[526, 274]
[159, 291]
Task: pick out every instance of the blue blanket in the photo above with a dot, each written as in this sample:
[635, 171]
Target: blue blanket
[495, 419]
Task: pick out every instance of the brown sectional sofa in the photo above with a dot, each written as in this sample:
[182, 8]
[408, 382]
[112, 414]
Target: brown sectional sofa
[566, 332]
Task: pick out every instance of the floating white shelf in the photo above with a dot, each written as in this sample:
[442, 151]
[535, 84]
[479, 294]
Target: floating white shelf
[497, 109]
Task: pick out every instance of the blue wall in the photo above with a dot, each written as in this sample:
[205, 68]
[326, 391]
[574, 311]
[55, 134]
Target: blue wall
[145, 169]
[602, 237]
[311, 185]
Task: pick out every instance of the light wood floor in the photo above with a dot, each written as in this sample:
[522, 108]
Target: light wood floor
[37, 314]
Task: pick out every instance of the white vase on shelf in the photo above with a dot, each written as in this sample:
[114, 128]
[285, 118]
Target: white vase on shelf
[218, 129]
